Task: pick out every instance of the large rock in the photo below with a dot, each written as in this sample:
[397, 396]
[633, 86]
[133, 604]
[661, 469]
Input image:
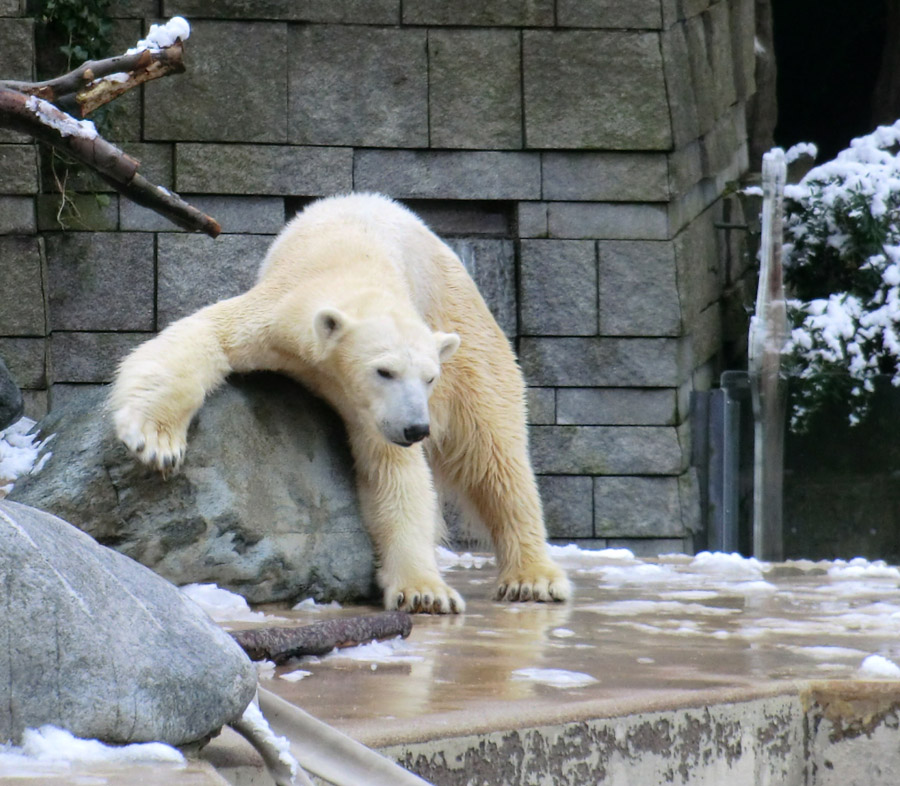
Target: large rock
[97, 644]
[265, 504]
[11, 404]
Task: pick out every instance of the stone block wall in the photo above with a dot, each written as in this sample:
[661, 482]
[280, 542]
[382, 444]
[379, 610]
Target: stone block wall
[575, 153]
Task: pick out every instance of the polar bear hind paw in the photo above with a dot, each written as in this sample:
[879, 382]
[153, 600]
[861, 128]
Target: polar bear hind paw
[544, 586]
[158, 447]
[425, 597]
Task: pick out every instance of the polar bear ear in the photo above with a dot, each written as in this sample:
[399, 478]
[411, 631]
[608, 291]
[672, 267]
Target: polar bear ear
[329, 324]
[447, 344]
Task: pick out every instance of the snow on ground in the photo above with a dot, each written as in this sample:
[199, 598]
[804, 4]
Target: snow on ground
[309, 604]
[557, 678]
[20, 453]
[396, 650]
[225, 606]
[879, 667]
[51, 750]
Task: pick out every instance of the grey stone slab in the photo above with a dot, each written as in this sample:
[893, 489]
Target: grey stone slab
[638, 290]
[235, 214]
[708, 39]
[26, 359]
[90, 357]
[617, 406]
[82, 212]
[214, 100]
[605, 362]
[461, 218]
[124, 121]
[22, 310]
[685, 168]
[743, 29]
[195, 270]
[492, 264]
[637, 507]
[12, 8]
[683, 95]
[100, 280]
[706, 333]
[608, 220]
[475, 88]
[157, 161]
[18, 169]
[650, 547]
[700, 273]
[361, 12]
[558, 287]
[595, 89]
[357, 85]
[17, 215]
[489, 13]
[635, 14]
[483, 174]
[263, 169]
[131, 9]
[541, 404]
[687, 207]
[12, 406]
[531, 218]
[607, 450]
[17, 48]
[568, 506]
[605, 177]
[36, 403]
[719, 145]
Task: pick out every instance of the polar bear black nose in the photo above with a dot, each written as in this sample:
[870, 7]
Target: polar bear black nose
[416, 432]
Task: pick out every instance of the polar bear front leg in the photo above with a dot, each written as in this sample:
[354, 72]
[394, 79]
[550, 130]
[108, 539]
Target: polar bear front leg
[160, 386]
[400, 509]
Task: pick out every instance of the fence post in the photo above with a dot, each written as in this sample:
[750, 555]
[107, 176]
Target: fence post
[768, 333]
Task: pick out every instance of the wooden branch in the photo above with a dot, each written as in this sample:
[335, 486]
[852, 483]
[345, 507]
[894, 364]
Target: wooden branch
[280, 644]
[88, 87]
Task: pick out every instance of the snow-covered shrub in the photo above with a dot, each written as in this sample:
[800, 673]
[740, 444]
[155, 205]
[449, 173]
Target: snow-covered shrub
[842, 266]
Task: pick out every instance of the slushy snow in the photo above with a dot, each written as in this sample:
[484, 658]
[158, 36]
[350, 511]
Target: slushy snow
[557, 678]
[879, 667]
[162, 36]
[222, 605]
[21, 453]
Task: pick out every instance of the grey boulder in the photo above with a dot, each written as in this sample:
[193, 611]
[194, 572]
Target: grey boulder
[265, 504]
[11, 405]
[95, 643]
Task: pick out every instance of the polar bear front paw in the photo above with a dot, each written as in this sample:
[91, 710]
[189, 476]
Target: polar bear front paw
[155, 445]
[426, 596]
[543, 582]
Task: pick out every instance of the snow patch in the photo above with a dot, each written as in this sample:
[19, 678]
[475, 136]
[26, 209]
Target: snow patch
[220, 604]
[557, 678]
[67, 125]
[20, 453]
[309, 604]
[391, 651]
[879, 667]
[162, 36]
[295, 676]
[447, 559]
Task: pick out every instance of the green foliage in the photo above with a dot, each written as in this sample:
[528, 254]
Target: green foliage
[84, 26]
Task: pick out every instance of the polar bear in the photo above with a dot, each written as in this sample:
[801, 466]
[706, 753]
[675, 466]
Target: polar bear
[359, 301]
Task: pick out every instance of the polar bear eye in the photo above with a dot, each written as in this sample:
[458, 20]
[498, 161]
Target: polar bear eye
[385, 373]
[429, 381]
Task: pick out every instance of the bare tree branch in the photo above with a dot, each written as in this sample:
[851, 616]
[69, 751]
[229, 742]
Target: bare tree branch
[44, 110]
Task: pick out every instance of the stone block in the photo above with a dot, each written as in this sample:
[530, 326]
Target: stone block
[708, 39]
[683, 97]
[82, 212]
[26, 360]
[531, 218]
[100, 281]
[487, 13]
[684, 209]
[124, 121]
[17, 215]
[157, 161]
[608, 220]
[22, 310]
[595, 89]
[474, 89]
[617, 406]
[90, 357]
[492, 264]
[607, 450]
[685, 168]
[650, 547]
[37, 403]
[361, 12]
[195, 270]
[541, 403]
[483, 174]
[743, 29]
[634, 15]
[465, 219]
[706, 333]
[357, 85]
[134, 9]
[638, 290]
[605, 362]
[605, 177]
[568, 506]
[558, 287]
[215, 101]
[236, 215]
[18, 169]
[637, 507]
[12, 7]
[700, 277]
[17, 48]
[719, 145]
[263, 169]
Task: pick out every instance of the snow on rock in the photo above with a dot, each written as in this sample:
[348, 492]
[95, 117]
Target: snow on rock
[55, 118]
[161, 36]
[879, 667]
[50, 745]
[275, 750]
[557, 678]
[220, 604]
[20, 453]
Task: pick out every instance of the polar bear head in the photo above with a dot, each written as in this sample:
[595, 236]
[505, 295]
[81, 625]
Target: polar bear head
[388, 365]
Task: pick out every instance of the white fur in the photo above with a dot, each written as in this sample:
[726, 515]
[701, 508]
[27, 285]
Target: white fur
[362, 303]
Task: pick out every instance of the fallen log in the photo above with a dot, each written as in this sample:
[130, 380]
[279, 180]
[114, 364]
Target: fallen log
[280, 644]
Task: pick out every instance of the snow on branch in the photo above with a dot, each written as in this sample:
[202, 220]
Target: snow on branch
[47, 111]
